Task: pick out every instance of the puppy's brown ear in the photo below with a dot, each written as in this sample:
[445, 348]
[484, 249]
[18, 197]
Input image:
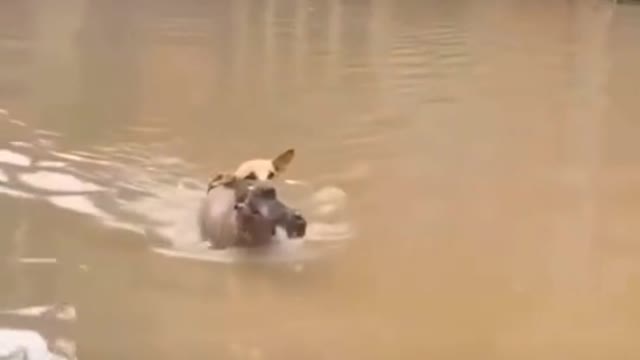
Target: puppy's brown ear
[214, 181]
[221, 179]
[283, 160]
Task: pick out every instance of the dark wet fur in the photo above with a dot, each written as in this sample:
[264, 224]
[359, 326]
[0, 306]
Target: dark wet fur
[244, 213]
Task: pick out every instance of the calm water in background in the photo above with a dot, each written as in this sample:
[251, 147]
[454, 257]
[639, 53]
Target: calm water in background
[488, 151]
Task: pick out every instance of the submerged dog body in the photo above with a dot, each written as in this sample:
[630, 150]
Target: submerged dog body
[245, 213]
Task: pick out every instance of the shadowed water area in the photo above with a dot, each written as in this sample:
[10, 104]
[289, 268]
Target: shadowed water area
[470, 171]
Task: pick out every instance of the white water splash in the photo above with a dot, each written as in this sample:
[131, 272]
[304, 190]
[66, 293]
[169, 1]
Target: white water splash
[61, 312]
[21, 144]
[78, 158]
[77, 203]
[14, 158]
[22, 344]
[51, 164]
[53, 181]
[17, 122]
[28, 260]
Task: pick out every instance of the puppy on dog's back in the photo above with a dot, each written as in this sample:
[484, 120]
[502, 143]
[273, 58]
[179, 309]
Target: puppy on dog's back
[239, 212]
[255, 169]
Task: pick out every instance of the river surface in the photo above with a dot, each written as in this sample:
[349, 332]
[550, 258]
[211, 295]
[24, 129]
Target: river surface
[470, 171]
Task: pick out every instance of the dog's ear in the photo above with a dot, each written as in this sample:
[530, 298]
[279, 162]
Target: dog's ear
[283, 160]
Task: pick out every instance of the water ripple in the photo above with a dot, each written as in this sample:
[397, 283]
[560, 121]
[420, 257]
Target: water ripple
[14, 158]
[423, 62]
[55, 181]
[132, 187]
[14, 193]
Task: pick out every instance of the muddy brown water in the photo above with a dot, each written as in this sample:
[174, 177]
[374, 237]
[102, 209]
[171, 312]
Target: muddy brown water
[471, 168]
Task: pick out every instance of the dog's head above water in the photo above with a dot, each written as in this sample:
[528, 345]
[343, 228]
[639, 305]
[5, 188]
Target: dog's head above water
[259, 213]
[246, 213]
